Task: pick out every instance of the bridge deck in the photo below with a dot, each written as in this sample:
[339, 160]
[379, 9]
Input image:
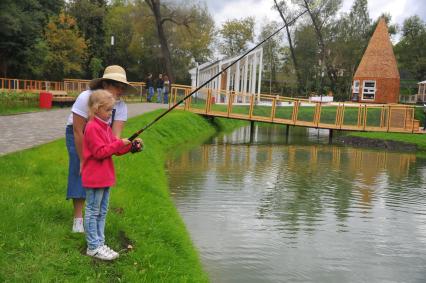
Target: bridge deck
[299, 112]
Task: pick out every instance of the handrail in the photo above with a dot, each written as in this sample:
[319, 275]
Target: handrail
[368, 117]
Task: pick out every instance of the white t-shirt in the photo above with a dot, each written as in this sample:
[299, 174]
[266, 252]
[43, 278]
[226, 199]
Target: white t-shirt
[81, 108]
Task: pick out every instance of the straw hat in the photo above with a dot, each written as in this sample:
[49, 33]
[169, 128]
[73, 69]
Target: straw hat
[113, 73]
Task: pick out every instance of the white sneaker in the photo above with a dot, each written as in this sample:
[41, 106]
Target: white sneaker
[101, 253]
[111, 251]
[77, 226]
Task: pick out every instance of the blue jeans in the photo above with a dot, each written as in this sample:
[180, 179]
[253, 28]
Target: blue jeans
[96, 210]
[166, 96]
[150, 93]
[75, 189]
[159, 91]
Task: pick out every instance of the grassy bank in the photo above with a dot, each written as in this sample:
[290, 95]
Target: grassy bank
[36, 243]
[418, 139]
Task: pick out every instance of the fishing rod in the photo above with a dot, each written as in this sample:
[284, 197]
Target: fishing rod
[136, 134]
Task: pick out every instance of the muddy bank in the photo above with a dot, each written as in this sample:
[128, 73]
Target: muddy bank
[376, 143]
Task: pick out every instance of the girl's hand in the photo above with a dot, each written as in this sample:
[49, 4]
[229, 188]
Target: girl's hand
[126, 141]
[137, 145]
[140, 141]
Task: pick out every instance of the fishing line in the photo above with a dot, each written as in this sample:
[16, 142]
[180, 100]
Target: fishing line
[132, 137]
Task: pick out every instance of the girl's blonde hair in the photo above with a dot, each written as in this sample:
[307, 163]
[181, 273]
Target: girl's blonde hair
[100, 98]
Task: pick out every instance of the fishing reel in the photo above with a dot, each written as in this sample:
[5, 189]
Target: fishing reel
[136, 147]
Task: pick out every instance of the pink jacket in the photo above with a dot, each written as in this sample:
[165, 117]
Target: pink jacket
[99, 144]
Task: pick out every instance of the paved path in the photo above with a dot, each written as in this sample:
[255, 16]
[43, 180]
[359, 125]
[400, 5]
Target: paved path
[23, 131]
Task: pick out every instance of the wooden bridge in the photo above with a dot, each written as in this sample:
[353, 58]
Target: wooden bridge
[299, 112]
[257, 108]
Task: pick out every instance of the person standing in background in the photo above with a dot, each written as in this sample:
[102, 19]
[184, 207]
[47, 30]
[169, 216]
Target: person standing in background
[166, 89]
[149, 87]
[160, 86]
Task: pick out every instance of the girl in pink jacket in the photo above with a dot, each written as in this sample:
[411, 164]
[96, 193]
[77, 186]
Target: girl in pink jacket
[99, 144]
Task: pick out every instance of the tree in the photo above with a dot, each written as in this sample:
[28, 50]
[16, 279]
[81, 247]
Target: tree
[271, 54]
[90, 16]
[306, 50]
[235, 36]
[321, 13]
[410, 50]
[21, 28]
[67, 48]
[287, 16]
[351, 36]
[154, 5]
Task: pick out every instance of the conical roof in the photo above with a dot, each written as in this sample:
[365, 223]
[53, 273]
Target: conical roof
[378, 60]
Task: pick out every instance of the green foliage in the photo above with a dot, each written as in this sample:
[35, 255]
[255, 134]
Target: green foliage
[352, 33]
[137, 47]
[90, 16]
[410, 50]
[22, 23]
[17, 102]
[96, 67]
[67, 49]
[306, 50]
[236, 35]
[273, 59]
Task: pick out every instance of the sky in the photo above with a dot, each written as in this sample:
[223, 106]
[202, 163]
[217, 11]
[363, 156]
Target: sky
[223, 10]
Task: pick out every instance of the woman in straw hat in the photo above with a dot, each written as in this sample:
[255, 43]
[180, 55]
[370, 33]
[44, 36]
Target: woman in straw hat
[115, 81]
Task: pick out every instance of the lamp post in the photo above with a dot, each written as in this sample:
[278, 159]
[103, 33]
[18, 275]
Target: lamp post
[111, 51]
[196, 80]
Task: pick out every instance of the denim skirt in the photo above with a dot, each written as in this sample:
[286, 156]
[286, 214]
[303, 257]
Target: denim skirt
[75, 188]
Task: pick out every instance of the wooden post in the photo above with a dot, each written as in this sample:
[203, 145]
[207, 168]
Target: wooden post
[287, 132]
[330, 136]
[251, 131]
[251, 106]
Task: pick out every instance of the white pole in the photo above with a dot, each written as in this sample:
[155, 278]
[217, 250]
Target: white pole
[260, 71]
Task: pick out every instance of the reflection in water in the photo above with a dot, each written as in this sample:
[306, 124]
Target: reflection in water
[277, 212]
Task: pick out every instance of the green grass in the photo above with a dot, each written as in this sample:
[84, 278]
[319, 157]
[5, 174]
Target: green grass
[36, 243]
[417, 139]
[16, 102]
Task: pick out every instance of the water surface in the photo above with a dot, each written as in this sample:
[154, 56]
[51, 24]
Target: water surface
[302, 210]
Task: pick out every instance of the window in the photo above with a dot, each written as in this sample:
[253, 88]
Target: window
[369, 90]
[355, 91]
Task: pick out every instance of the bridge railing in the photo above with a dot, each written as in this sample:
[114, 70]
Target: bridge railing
[18, 85]
[68, 85]
[299, 112]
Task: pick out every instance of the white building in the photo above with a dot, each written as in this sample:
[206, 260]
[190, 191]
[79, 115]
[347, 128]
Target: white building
[244, 77]
[415, 98]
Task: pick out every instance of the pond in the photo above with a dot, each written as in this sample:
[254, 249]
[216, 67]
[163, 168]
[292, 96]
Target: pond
[300, 210]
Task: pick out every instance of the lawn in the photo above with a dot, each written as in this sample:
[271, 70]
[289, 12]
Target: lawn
[36, 243]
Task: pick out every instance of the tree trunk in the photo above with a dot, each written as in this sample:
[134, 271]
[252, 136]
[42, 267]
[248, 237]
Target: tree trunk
[155, 8]
[293, 55]
[324, 56]
[3, 66]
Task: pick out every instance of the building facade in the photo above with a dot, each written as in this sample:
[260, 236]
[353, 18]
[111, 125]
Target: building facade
[377, 78]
